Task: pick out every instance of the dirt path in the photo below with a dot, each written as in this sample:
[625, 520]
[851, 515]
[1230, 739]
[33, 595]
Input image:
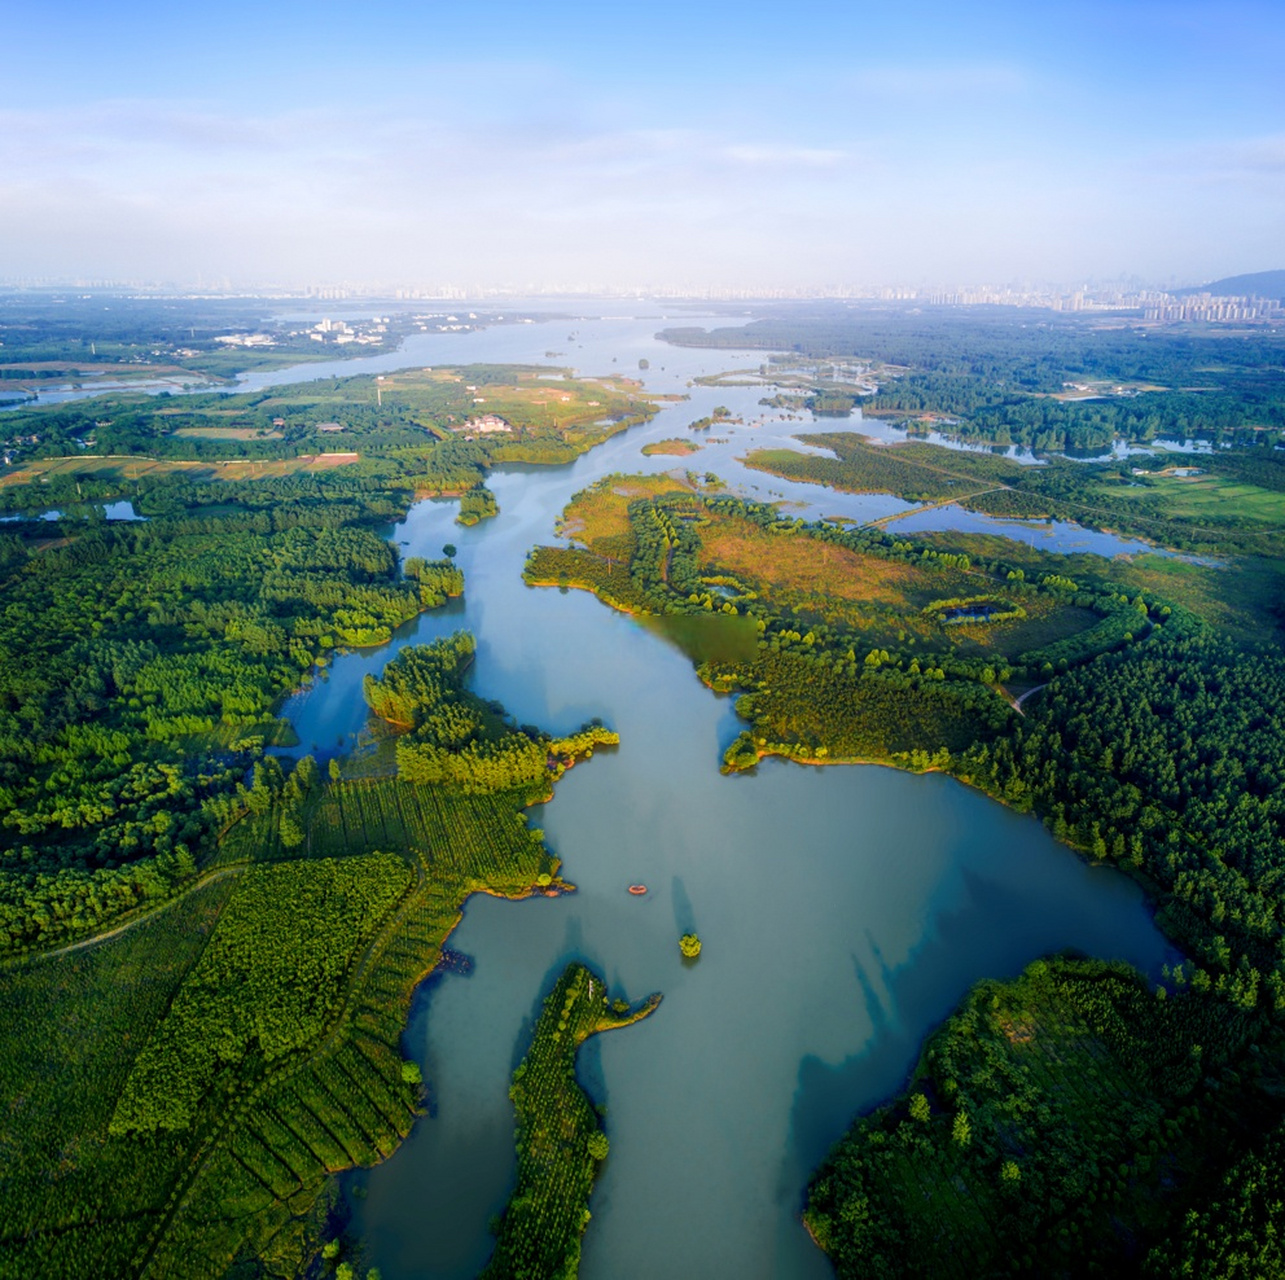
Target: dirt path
[150, 914]
[1017, 702]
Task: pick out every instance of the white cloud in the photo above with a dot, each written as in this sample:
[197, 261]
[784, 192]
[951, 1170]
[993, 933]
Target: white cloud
[557, 185]
[784, 157]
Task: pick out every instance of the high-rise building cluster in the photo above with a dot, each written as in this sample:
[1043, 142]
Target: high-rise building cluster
[1210, 307]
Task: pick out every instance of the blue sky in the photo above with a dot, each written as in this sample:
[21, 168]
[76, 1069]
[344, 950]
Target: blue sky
[628, 145]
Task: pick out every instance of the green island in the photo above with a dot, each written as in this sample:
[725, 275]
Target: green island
[677, 447]
[560, 1140]
[1151, 739]
[476, 505]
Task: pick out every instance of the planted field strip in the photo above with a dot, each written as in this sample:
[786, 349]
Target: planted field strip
[559, 1141]
[72, 1026]
[342, 1101]
[455, 835]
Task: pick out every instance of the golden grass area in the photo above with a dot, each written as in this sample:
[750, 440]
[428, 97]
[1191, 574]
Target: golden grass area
[599, 517]
[881, 597]
[770, 561]
[678, 447]
[129, 467]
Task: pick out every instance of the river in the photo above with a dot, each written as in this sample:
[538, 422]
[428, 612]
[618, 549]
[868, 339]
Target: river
[844, 911]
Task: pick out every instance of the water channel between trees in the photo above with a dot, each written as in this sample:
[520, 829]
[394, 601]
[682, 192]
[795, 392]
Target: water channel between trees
[843, 911]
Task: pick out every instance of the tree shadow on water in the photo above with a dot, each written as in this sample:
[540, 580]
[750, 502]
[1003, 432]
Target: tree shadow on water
[995, 933]
[684, 912]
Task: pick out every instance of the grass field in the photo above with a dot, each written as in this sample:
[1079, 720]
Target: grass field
[885, 598]
[825, 571]
[598, 517]
[226, 433]
[915, 472]
[1208, 497]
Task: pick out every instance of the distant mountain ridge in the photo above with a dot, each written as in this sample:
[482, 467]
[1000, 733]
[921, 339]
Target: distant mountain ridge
[1258, 284]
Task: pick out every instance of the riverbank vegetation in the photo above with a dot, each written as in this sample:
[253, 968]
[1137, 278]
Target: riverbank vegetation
[451, 736]
[858, 647]
[560, 1140]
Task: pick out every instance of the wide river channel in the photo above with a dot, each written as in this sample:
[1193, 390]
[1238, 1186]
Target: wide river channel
[844, 911]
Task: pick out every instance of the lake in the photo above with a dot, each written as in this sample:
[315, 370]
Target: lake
[843, 911]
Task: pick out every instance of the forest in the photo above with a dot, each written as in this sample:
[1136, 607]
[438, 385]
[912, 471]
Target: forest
[1062, 1124]
[140, 668]
[246, 1032]
[454, 738]
[206, 955]
[141, 662]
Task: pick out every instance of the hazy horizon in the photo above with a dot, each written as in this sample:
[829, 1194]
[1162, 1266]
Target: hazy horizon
[713, 146]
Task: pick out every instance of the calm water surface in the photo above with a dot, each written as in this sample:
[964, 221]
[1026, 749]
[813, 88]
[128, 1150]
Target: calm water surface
[844, 911]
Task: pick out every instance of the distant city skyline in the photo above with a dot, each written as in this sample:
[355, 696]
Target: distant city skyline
[705, 147]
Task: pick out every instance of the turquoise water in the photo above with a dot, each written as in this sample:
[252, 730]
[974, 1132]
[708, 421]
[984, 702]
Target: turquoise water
[843, 911]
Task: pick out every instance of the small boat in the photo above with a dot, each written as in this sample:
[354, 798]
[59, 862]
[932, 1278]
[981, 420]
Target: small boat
[638, 889]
